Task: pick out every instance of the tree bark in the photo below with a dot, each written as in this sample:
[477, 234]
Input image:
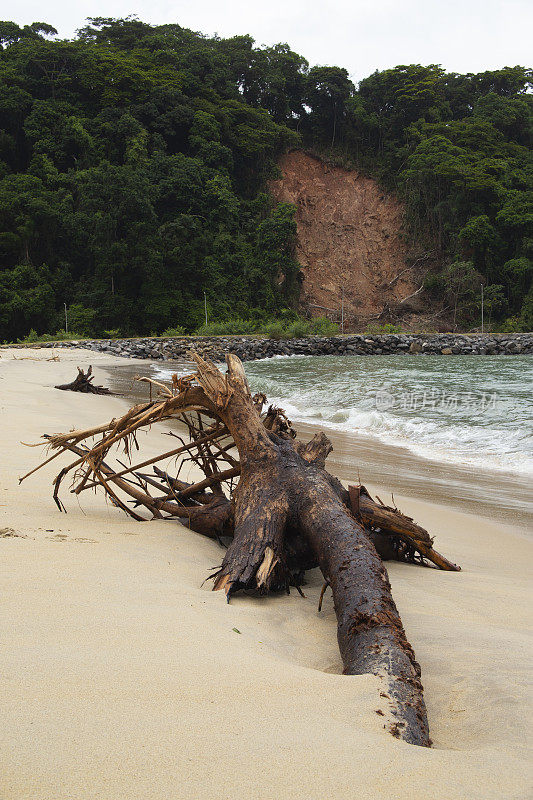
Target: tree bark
[369, 629]
[287, 514]
[278, 489]
[84, 383]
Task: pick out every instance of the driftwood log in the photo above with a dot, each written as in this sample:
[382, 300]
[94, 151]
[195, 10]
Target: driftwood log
[270, 496]
[83, 382]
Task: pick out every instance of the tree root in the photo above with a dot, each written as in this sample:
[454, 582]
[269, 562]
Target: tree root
[270, 495]
[83, 383]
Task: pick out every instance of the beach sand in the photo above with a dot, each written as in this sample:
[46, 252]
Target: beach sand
[124, 677]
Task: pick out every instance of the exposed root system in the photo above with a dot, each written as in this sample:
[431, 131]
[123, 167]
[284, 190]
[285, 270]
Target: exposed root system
[268, 497]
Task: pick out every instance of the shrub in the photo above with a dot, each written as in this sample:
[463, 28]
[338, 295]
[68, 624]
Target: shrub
[289, 326]
[322, 326]
[177, 330]
[526, 315]
[60, 336]
[298, 329]
[228, 328]
[510, 325]
[32, 336]
[274, 330]
[388, 327]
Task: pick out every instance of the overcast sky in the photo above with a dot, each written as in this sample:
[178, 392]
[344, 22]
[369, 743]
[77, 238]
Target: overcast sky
[361, 35]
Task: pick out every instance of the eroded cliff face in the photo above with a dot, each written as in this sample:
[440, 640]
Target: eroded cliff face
[349, 236]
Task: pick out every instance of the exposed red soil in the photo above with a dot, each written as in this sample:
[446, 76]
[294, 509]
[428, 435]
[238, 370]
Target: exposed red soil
[350, 236]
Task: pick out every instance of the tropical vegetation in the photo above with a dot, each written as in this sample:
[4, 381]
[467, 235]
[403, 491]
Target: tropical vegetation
[134, 162]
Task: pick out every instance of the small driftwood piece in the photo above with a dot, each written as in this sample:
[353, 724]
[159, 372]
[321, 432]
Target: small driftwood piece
[84, 383]
[269, 498]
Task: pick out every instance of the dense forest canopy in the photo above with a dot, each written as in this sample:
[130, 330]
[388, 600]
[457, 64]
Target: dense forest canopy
[134, 161]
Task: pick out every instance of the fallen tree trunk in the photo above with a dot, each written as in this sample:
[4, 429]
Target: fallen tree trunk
[286, 514]
[84, 383]
[280, 489]
[369, 629]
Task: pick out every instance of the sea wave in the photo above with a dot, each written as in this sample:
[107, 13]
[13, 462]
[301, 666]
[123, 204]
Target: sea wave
[494, 449]
[492, 431]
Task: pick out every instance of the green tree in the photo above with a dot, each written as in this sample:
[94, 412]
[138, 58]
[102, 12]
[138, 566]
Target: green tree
[135, 160]
[462, 284]
[327, 91]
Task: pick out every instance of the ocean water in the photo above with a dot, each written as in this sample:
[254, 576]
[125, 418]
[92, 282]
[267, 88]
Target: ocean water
[472, 411]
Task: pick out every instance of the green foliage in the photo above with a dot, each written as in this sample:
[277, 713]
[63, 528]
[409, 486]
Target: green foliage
[231, 327]
[517, 275]
[288, 326]
[462, 286]
[60, 336]
[134, 161]
[26, 300]
[275, 330]
[10, 32]
[297, 328]
[510, 325]
[175, 330]
[457, 149]
[322, 326]
[495, 301]
[388, 327]
[131, 169]
[81, 319]
[522, 323]
[526, 315]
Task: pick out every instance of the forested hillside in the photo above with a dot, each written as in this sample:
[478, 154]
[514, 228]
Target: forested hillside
[134, 163]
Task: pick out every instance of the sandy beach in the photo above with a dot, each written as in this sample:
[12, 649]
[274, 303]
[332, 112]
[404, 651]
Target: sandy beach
[125, 677]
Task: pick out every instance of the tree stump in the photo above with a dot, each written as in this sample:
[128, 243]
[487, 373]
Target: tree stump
[84, 383]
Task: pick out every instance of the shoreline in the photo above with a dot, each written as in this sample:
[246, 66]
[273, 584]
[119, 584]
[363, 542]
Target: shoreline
[124, 676]
[496, 494]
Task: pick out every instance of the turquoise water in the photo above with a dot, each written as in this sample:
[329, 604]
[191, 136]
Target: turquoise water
[467, 410]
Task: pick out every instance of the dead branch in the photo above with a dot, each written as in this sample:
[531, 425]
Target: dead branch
[284, 515]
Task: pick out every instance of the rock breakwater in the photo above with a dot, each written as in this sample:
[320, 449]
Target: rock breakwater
[250, 348]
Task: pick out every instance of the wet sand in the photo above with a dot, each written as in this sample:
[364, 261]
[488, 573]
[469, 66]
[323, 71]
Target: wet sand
[499, 495]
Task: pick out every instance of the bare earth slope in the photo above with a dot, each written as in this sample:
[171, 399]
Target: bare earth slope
[349, 235]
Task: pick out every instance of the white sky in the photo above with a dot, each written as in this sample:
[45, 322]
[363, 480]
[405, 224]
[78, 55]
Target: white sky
[362, 35]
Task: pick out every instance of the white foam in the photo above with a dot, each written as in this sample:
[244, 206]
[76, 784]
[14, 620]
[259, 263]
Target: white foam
[328, 391]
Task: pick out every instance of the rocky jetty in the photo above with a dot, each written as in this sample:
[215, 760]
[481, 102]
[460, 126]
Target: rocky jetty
[250, 348]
